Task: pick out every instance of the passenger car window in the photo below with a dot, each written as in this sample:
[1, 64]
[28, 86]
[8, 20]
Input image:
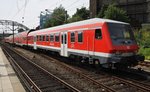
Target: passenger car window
[72, 36]
[57, 37]
[62, 39]
[98, 34]
[65, 39]
[51, 37]
[47, 38]
[80, 36]
[37, 38]
[43, 37]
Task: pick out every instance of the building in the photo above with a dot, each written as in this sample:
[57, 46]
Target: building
[44, 16]
[137, 10]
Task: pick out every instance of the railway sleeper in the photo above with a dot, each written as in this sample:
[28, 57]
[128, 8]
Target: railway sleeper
[127, 89]
[112, 82]
[41, 82]
[105, 80]
[53, 88]
[38, 78]
[48, 85]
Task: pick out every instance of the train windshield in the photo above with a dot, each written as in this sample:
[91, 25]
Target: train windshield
[121, 33]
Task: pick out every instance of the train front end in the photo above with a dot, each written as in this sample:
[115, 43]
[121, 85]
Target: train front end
[123, 45]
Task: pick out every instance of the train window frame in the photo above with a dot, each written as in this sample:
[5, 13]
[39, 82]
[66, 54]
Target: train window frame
[72, 38]
[57, 37]
[99, 36]
[37, 38]
[62, 42]
[34, 38]
[81, 36]
[47, 38]
[65, 38]
[51, 38]
[43, 38]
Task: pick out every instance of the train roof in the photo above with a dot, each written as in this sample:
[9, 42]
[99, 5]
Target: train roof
[80, 23]
[86, 22]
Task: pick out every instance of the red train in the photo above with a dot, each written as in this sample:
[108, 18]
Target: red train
[99, 41]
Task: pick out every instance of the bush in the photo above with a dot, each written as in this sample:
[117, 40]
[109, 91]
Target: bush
[145, 52]
[143, 39]
[116, 13]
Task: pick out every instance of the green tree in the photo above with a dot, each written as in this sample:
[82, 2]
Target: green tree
[116, 13]
[81, 14]
[58, 17]
[143, 36]
[143, 39]
[101, 12]
[74, 19]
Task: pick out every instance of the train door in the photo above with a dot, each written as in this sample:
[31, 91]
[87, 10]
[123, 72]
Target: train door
[64, 45]
[90, 42]
[34, 42]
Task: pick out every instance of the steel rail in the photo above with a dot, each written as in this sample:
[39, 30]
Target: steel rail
[142, 88]
[80, 73]
[50, 74]
[25, 77]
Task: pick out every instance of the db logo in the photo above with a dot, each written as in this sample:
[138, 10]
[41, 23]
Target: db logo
[128, 47]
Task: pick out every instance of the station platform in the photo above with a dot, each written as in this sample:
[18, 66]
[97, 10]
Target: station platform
[9, 81]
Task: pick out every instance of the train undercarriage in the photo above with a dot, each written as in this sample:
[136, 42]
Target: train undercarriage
[113, 63]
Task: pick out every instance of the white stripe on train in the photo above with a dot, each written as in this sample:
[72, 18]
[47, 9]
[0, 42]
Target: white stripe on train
[102, 54]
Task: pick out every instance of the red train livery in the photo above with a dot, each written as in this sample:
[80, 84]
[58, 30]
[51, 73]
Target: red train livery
[101, 41]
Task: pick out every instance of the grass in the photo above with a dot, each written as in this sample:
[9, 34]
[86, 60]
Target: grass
[145, 52]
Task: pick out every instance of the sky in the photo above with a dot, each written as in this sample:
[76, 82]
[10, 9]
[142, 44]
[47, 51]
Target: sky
[28, 11]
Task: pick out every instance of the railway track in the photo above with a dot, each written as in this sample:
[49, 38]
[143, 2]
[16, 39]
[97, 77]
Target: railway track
[136, 76]
[116, 84]
[145, 63]
[36, 78]
[105, 82]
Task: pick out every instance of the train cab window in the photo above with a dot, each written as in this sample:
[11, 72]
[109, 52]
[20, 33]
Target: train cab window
[98, 34]
[51, 38]
[80, 36]
[72, 36]
[57, 37]
[47, 38]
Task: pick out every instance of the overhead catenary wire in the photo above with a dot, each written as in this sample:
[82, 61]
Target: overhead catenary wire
[19, 10]
[58, 17]
[59, 2]
[24, 11]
